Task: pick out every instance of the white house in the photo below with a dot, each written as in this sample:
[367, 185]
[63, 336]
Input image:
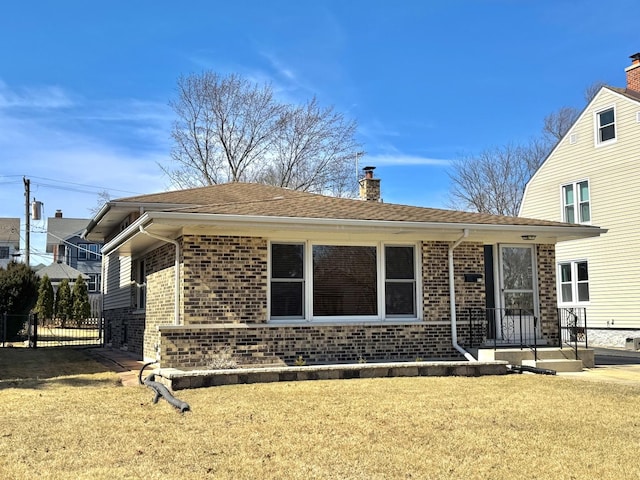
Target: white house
[9, 240]
[589, 179]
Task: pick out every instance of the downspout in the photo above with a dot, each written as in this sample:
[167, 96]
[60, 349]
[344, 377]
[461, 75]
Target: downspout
[452, 299]
[176, 319]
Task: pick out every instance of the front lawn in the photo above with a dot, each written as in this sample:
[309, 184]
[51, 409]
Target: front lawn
[85, 425]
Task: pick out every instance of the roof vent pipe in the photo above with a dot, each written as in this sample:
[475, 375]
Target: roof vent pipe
[452, 299]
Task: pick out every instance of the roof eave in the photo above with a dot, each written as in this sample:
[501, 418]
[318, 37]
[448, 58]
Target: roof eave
[181, 219]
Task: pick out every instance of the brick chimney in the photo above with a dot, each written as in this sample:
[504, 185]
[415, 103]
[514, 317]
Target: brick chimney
[58, 214]
[633, 73]
[369, 186]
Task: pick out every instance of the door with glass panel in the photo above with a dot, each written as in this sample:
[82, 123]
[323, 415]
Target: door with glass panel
[519, 306]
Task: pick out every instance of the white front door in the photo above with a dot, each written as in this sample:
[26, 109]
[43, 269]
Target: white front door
[518, 294]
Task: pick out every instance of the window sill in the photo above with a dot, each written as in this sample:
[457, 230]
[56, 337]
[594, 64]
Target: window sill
[335, 322]
[605, 143]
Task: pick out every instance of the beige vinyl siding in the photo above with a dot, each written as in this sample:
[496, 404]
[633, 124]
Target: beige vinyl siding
[117, 282]
[613, 170]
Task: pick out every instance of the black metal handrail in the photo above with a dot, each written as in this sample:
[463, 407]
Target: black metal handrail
[572, 325]
[501, 327]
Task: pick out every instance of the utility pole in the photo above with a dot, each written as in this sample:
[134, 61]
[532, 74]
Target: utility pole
[27, 195]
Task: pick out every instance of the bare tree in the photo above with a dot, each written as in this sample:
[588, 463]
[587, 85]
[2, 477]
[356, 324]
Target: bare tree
[229, 129]
[493, 181]
[224, 125]
[313, 151]
[103, 197]
[592, 90]
[558, 123]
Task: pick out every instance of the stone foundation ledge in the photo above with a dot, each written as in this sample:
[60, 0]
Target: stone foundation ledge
[179, 380]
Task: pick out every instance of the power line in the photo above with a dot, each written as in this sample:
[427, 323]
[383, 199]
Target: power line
[69, 183]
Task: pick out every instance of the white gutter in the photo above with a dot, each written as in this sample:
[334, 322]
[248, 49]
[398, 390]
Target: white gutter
[176, 310]
[452, 299]
[183, 219]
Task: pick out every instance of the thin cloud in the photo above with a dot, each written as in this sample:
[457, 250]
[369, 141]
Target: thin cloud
[46, 97]
[396, 160]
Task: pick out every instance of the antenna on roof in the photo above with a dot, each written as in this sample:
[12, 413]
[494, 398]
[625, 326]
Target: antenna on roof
[358, 154]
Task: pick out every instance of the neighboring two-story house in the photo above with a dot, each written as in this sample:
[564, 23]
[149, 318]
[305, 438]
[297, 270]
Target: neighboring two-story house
[9, 240]
[67, 247]
[589, 178]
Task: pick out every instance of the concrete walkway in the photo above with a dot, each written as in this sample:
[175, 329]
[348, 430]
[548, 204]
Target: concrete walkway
[614, 365]
[127, 365]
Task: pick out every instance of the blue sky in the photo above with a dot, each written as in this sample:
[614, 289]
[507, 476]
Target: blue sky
[85, 86]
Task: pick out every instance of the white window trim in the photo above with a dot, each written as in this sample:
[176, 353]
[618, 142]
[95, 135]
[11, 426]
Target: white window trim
[576, 204]
[596, 126]
[308, 316]
[574, 283]
[96, 282]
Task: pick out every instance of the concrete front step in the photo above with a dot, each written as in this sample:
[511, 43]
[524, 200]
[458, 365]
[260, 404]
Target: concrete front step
[516, 356]
[559, 365]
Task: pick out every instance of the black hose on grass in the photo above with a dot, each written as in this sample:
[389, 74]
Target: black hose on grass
[161, 391]
[526, 368]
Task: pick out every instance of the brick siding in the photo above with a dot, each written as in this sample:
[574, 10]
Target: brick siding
[225, 279]
[224, 285]
[192, 347]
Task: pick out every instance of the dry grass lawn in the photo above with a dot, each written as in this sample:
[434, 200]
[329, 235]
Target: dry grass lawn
[85, 425]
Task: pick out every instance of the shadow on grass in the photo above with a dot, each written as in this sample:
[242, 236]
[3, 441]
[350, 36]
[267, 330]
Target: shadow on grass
[32, 366]
[71, 381]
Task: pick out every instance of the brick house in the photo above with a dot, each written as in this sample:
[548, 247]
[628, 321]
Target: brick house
[274, 274]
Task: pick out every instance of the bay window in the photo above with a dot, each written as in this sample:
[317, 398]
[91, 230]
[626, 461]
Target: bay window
[313, 281]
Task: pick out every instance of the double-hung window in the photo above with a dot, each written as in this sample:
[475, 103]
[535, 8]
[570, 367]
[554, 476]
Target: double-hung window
[606, 125]
[576, 202]
[87, 251]
[287, 280]
[332, 282]
[4, 253]
[574, 282]
[400, 281]
[93, 284]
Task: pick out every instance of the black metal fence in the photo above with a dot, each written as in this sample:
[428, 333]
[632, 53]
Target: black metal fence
[35, 332]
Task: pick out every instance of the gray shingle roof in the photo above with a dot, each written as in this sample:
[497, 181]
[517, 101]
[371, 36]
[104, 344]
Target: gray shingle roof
[252, 199]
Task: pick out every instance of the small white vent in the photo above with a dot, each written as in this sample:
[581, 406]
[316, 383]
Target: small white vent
[638, 117]
[573, 138]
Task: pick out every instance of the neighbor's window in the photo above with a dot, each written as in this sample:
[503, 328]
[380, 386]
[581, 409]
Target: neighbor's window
[574, 282]
[4, 253]
[87, 251]
[606, 125]
[287, 280]
[576, 204]
[342, 281]
[93, 284]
